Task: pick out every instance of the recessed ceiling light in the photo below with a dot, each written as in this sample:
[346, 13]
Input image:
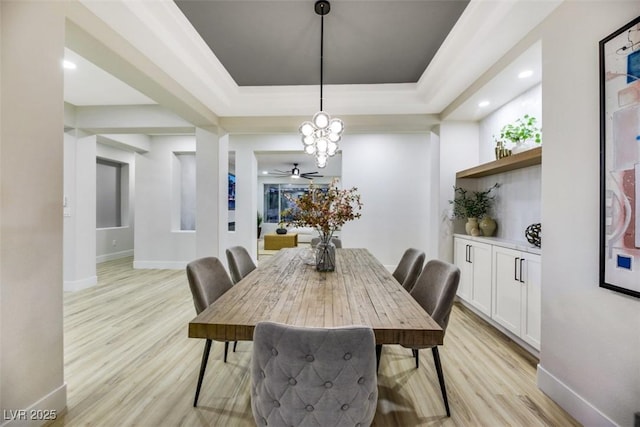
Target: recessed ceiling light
[265, 172]
[483, 104]
[68, 65]
[524, 74]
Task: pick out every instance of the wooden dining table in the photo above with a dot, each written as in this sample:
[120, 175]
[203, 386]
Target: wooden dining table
[286, 289]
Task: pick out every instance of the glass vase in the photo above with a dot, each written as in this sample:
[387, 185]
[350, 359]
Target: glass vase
[326, 256]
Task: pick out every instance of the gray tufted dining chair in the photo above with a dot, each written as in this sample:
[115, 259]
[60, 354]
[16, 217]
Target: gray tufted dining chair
[435, 291]
[409, 268]
[208, 280]
[313, 376]
[240, 262]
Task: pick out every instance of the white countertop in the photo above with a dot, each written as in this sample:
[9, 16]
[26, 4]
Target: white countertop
[518, 245]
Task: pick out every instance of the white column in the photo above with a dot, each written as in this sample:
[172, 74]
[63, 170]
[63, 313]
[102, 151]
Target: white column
[79, 212]
[246, 233]
[211, 191]
[32, 36]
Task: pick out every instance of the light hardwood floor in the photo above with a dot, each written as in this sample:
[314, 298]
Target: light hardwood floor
[128, 362]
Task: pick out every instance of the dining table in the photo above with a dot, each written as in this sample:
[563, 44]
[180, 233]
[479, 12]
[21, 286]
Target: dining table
[287, 289]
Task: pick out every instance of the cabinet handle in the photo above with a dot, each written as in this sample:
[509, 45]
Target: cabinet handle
[468, 253]
[521, 262]
[515, 269]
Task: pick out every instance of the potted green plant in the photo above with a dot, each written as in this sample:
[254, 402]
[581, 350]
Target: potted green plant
[519, 133]
[474, 205]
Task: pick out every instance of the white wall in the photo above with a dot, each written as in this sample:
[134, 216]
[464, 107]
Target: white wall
[393, 178]
[106, 249]
[530, 102]
[458, 150]
[590, 360]
[517, 203]
[31, 237]
[393, 174]
[158, 241]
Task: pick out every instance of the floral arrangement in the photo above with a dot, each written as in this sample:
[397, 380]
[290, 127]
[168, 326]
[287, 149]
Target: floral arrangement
[475, 205]
[326, 210]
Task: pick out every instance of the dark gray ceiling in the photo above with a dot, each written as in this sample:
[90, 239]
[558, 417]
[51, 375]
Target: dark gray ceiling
[267, 43]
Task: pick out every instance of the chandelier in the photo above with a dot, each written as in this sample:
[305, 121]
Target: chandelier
[321, 135]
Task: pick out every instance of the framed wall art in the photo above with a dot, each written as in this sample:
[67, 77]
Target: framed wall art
[620, 160]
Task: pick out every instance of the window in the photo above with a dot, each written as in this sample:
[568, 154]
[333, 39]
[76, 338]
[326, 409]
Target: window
[275, 199]
[108, 194]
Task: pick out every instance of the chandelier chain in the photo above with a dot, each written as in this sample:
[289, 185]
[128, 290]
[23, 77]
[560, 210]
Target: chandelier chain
[321, 57]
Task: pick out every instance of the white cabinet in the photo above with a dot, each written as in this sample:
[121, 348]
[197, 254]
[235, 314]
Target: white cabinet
[501, 281]
[474, 261]
[516, 293]
[532, 304]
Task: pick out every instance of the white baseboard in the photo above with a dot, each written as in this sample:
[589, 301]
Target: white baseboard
[40, 413]
[584, 412]
[113, 256]
[160, 265]
[78, 285]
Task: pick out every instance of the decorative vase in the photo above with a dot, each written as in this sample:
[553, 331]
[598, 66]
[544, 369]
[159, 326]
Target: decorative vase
[470, 225]
[488, 226]
[281, 231]
[325, 255]
[523, 146]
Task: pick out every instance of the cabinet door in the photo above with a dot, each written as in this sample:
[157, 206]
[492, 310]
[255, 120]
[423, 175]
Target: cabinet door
[507, 289]
[481, 286]
[531, 306]
[461, 248]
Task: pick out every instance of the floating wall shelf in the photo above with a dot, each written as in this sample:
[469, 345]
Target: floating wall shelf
[517, 161]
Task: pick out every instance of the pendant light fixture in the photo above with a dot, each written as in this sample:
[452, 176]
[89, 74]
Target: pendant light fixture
[321, 135]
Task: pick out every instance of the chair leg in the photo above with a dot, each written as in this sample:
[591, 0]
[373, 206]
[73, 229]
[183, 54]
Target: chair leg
[203, 367]
[443, 389]
[416, 355]
[378, 356]
[235, 344]
[226, 349]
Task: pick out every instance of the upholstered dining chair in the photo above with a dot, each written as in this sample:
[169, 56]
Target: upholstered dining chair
[313, 376]
[240, 263]
[208, 280]
[435, 291]
[409, 268]
[336, 241]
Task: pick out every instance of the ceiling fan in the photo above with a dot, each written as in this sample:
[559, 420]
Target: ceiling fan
[295, 173]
